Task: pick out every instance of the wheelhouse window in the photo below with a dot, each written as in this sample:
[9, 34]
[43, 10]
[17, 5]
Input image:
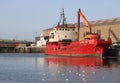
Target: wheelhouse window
[65, 29]
[73, 29]
[62, 29]
[65, 36]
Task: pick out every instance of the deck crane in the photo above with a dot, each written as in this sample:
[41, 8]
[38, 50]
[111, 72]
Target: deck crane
[90, 35]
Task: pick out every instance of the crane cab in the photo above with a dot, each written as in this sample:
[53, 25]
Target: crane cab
[92, 36]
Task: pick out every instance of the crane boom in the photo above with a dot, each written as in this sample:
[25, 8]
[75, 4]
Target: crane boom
[80, 14]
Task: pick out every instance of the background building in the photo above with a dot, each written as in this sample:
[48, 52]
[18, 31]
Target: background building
[106, 28]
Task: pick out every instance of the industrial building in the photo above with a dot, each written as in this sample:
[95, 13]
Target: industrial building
[13, 46]
[106, 28]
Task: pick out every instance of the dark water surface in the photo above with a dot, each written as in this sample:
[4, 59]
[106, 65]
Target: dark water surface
[38, 68]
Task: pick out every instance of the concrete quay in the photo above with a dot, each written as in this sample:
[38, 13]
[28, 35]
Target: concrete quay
[7, 48]
[19, 47]
[30, 49]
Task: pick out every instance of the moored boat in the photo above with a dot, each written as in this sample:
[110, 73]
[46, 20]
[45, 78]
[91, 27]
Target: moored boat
[64, 40]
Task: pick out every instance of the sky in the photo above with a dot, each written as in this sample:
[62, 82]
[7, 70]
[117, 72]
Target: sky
[25, 19]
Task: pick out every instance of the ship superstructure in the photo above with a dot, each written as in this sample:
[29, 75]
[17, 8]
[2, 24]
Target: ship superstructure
[62, 31]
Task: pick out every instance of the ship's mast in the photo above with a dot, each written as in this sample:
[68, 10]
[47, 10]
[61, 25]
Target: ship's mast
[63, 19]
[78, 25]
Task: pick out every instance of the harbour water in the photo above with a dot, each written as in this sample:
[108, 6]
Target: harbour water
[38, 68]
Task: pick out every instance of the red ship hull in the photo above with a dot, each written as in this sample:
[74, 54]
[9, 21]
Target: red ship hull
[93, 47]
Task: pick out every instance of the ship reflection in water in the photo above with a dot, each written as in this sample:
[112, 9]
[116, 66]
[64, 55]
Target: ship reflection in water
[38, 68]
[75, 61]
[84, 69]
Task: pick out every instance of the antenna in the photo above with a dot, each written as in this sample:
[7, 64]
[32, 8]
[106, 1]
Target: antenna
[62, 18]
